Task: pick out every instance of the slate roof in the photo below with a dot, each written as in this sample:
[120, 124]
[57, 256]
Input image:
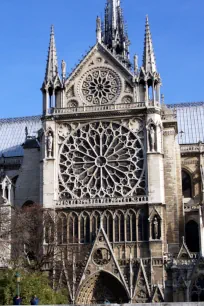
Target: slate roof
[12, 134]
[190, 118]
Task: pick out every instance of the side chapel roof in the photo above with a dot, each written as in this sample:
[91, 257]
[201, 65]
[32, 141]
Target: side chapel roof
[12, 134]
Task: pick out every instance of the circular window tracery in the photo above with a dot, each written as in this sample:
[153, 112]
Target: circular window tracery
[100, 86]
[101, 159]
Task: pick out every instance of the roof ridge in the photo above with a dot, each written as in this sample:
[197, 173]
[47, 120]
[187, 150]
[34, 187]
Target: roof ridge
[185, 104]
[15, 119]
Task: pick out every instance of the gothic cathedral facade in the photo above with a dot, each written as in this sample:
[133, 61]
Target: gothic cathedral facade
[110, 178]
[111, 170]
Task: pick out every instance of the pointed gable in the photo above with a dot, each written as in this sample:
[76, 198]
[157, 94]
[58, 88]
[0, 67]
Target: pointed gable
[142, 290]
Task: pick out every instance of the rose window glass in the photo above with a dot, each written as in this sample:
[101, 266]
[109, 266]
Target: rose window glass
[100, 86]
[101, 159]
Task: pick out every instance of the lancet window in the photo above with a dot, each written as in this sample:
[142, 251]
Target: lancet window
[108, 225]
[85, 228]
[73, 228]
[142, 226]
[95, 224]
[131, 226]
[49, 230]
[186, 184]
[62, 229]
[119, 227]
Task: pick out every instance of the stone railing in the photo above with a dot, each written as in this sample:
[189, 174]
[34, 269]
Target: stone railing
[102, 201]
[96, 108]
[191, 148]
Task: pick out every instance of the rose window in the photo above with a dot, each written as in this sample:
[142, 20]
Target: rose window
[101, 159]
[100, 86]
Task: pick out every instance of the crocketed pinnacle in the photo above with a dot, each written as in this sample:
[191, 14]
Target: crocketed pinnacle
[149, 62]
[52, 65]
[114, 35]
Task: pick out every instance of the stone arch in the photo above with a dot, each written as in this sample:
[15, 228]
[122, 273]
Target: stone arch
[101, 287]
[187, 183]
[192, 236]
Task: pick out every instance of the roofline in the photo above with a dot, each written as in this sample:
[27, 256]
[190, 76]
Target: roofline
[38, 117]
[185, 104]
[17, 119]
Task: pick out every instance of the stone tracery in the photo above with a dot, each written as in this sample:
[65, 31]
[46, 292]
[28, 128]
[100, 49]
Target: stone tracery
[101, 159]
[100, 86]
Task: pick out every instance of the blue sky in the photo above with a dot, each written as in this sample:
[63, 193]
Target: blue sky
[177, 31]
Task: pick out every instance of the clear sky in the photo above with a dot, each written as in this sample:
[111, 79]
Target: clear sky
[177, 30]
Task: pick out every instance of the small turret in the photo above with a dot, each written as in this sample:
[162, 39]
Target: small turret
[52, 65]
[149, 62]
[149, 79]
[52, 83]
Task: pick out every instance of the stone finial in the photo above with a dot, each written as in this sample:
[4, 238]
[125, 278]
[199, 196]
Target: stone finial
[98, 30]
[149, 62]
[52, 64]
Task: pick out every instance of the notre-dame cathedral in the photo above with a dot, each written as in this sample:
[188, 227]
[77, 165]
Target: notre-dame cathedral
[118, 173]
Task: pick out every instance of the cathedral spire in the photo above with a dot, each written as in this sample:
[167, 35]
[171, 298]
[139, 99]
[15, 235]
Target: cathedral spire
[52, 65]
[149, 62]
[115, 36]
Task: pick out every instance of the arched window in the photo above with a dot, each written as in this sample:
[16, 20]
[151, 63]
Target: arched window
[73, 228]
[49, 230]
[95, 224]
[131, 226]
[142, 227]
[186, 185]
[119, 227]
[108, 225]
[197, 291]
[85, 228]
[192, 236]
[62, 229]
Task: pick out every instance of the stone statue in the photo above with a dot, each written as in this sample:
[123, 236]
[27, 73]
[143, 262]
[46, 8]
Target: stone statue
[63, 67]
[152, 139]
[49, 145]
[155, 228]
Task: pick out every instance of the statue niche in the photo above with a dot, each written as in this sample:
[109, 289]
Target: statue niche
[49, 144]
[152, 138]
[156, 228]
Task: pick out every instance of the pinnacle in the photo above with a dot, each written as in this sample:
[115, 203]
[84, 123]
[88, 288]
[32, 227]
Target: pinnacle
[52, 65]
[149, 62]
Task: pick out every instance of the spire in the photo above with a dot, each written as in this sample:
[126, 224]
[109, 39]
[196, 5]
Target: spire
[149, 62]
[52, 65]
[98, 29]
[115, 36]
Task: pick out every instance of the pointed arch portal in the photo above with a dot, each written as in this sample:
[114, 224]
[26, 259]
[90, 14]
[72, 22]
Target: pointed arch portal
[100, 287]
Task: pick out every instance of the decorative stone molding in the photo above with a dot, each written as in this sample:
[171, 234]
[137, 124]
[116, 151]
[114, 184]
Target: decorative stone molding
[168, 133]
[102, 202]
